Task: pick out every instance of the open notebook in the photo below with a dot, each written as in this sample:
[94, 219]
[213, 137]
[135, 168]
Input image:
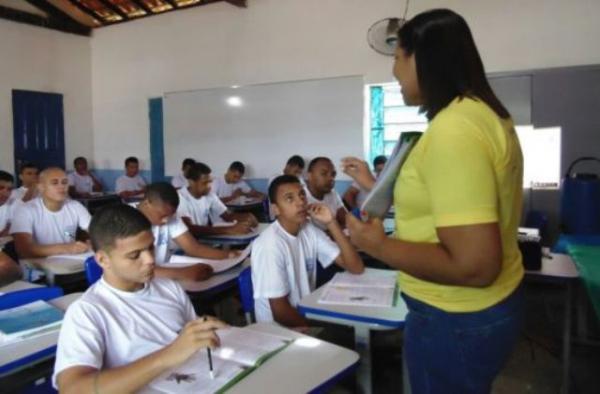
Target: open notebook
[242, 350]
[217, 265]
[360, 290]
[28, 320]
[378, 201]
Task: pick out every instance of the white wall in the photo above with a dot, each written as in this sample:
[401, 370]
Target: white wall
[283, 40]
[33, 58]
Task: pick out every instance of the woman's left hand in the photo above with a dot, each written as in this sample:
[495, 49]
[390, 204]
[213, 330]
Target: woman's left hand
[367, 236]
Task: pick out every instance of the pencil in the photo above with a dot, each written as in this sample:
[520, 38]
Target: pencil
[210, 364]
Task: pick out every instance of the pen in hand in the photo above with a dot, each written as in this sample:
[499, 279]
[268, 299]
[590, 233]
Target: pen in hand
[210, 364]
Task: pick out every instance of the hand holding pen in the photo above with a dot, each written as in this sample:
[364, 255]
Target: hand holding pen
[195, 335]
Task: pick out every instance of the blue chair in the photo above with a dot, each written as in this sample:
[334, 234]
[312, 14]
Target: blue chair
[537, 219]
[247, 294]
[22, 297]
[93, 271]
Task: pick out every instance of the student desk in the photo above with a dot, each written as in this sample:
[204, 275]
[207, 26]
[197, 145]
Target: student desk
[245, 203]
[98, 199]
[217, 283]
[16, 286]
[363, 319]
[21, 355]
[58, 271]
[231, 240]
[560, 269]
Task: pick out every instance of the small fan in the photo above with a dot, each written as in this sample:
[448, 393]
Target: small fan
[383, 35]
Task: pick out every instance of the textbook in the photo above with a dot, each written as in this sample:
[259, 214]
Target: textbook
[242, 350]
[217, 265]
[28, 320]
[378, 201]
[360, 290]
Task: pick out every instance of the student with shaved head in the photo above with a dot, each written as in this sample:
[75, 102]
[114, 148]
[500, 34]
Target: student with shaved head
[48, 224]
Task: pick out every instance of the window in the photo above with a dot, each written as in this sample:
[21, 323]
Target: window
[388, 117]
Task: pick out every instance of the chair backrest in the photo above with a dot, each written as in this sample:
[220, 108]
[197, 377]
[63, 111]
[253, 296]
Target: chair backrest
[537, 219]
[93, 271]
[26, 296]
[246, 293]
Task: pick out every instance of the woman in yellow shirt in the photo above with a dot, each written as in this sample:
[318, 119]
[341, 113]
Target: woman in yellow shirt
[458, 202]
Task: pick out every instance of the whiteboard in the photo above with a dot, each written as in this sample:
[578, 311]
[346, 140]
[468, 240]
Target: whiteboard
[273, 121]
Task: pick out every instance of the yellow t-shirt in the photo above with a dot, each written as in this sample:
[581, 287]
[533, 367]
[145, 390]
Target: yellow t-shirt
[467, 168]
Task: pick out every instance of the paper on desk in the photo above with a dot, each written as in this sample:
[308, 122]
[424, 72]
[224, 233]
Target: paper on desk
[363, 280]
[78, 257]
[358, 296]
[217, 265]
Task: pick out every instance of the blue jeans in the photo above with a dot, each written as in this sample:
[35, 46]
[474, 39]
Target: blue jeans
[459, 352]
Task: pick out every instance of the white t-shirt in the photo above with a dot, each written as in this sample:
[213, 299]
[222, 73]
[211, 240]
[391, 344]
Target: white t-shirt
[223, 189]
[200, 210]
[129, 184]
[163, 236]
[331, 199]
[82, 183]
[283, 264]
[179, 181]
[7, 211]
[108, 328]
[47, 227]
[19, 193]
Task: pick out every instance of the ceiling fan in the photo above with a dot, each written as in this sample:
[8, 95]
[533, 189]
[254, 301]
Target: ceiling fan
[382, 36]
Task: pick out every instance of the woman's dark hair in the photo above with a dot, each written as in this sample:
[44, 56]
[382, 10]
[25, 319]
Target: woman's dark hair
[447, 60]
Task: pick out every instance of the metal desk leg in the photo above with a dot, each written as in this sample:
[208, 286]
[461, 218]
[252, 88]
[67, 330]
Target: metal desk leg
[362, 343]
[566, 359]
[405, 377]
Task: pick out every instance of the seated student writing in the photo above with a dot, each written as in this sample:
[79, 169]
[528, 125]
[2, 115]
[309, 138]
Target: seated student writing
[48, 225]
[199, 207]
[81, 181]
[131, 184]
[159, 207]
[231, 185]
[28, 174]
[319, 188]
[7, 203]
[9, 270]
[180, 180]
[355, 195]
[285, 255]
[294, 166]
[129, 327]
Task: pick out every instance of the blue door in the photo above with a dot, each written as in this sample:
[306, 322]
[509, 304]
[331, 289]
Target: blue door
[38, 127]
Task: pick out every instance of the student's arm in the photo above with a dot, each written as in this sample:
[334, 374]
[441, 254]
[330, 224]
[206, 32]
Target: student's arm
[285, 314]
[198, 231]
[348, 258]
[5, 231]
[28, 248]
[97, 184]
[255, 193]
[236, 193]
[73, 192]
[9, 270]
[193, 248]
[196, 272]
[196, 335]
[249, 218]
[350, 197]
[340, 217]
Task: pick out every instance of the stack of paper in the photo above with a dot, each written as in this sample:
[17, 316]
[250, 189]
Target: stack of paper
[28, 320]
[360, 290]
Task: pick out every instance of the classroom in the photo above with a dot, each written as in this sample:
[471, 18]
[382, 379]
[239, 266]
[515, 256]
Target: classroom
[247, 152]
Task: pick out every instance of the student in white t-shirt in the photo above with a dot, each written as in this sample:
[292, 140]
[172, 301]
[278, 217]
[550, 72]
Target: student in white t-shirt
[128, 328]
[231, 186]
[180, 180]
[7, 203]
[160, 206]
[81, 181]
[285, 255]
[28, 175]
[355, 195]
[9, 270]
[320, 181]
[199, 208]
[48, 225]
[131, 184]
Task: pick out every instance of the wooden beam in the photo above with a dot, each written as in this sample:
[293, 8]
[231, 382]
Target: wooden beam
[141, 4]
[83, 8]
[58, 15]
[108, 4]
[40, 21]
[238, 3]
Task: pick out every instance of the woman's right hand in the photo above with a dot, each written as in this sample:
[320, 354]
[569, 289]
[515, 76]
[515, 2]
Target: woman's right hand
[358, 170]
